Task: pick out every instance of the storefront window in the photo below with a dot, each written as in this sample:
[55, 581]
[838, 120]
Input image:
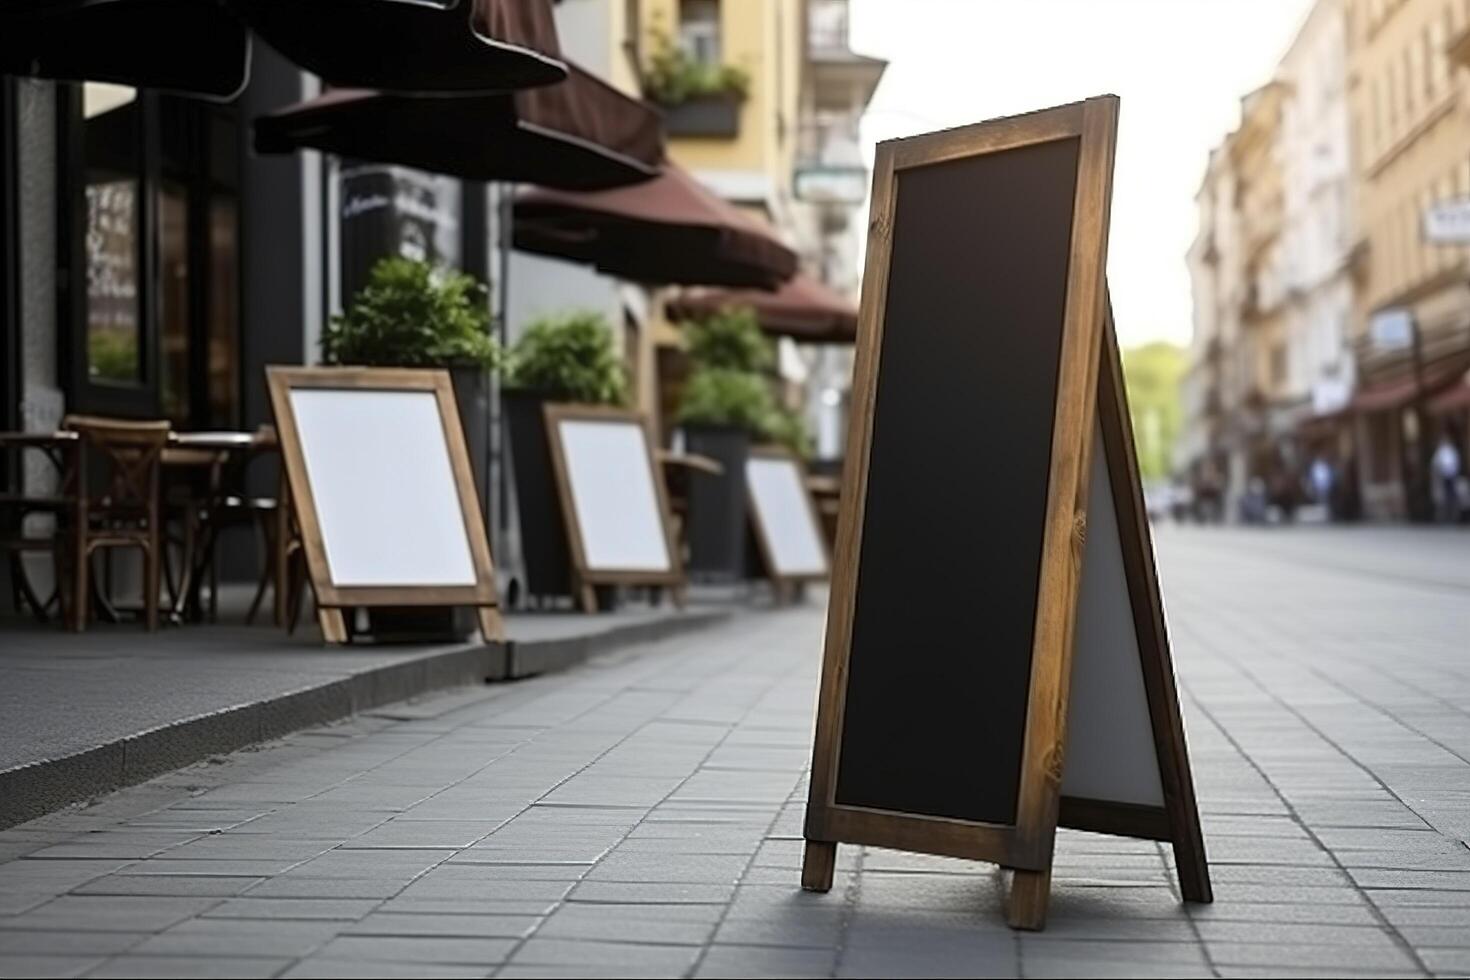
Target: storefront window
[173, 298]
[224, 310]
[111, 166]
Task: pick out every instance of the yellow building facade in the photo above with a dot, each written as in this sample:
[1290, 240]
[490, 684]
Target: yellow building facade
[765, 39]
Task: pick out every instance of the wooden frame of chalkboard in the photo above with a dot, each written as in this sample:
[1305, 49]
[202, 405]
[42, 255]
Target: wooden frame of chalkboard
[1178, 823]
[332, 598]
[586, 576]
[967, 230]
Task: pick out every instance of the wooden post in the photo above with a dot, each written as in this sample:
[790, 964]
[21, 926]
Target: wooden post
[818, 865]
[334, 627]
[492, 624]
[1026, 907]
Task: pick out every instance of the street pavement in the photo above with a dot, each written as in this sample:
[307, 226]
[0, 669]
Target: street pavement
[641, 814]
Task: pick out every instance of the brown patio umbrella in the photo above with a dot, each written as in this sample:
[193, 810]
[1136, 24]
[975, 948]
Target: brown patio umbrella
[669, 230]
[414, 45]
[804, 308]
[580, 133]
[193, 46]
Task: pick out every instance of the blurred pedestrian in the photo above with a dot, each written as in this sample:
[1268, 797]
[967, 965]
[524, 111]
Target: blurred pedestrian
[1447, 479]
[1323, 480]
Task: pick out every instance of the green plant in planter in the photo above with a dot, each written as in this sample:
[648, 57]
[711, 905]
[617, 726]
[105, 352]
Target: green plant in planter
[786, 427]
[569, 357]
[731, 340]
[408, 315]
[721, 396]
[672, 77]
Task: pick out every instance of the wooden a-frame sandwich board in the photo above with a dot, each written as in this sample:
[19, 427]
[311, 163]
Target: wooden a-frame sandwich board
[948, 678]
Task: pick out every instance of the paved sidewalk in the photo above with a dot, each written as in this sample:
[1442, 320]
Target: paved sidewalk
[641, 815]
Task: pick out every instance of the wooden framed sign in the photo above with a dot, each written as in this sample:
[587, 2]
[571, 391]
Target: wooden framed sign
[947, 681]
[383, 489]
[787, 530]
[612, 500]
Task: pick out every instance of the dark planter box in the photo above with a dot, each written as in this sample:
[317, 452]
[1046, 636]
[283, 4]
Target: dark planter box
[716, 518]
[710, 115]
[544, 546]
[420, 624]
[472, 393]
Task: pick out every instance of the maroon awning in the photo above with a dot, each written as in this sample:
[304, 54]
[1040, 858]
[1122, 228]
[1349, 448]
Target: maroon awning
[1452, 399]
[414, 45]
[1401, 391]
[193, 46]
[669, 230]
[803, 308]
[578, 134]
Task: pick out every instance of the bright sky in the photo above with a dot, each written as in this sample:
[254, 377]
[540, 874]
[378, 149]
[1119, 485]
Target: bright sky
[1179, 66]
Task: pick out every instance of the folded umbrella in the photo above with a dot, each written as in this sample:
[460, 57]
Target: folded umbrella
[414, 45]
[197, 47]
[669, 230]
[580, 133]
[803, 309]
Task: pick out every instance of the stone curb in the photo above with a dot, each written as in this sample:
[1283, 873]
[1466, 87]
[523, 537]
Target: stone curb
[38, 788]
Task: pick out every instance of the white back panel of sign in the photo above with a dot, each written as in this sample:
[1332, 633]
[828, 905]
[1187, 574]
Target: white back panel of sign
[386, 500]
[786, 515]
[614, 496]
[1110, 743]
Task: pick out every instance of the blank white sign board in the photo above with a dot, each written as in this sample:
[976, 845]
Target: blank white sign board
[784, 510]
[380, 474]
[617, 506]
[1110, 742]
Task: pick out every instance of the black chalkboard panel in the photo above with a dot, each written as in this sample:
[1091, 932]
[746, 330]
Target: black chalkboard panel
[939, 670]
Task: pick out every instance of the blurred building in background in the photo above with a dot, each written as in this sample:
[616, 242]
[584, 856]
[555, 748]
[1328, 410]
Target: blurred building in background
[786, 150]
[1331, 275]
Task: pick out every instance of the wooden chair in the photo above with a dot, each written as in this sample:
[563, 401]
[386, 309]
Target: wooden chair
[23, 507]
[126, 514]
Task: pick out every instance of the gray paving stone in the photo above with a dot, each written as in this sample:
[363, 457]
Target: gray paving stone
[46, 966]
[176, 966]
[108, 913]
[304, 909]
[237, 938]
[453, 950]
[463, 926]
[321, 966]
[67, 943]
[182, 886]
[666, 959]
[736, 961]
[673, 924]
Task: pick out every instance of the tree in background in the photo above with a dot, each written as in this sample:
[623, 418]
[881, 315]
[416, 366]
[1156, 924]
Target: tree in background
[1153, 374]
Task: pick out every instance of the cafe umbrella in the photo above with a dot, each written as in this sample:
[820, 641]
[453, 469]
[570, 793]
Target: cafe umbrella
[580, 133]
[414, 45]
[669, 230]
[197, 47]
[803, 308]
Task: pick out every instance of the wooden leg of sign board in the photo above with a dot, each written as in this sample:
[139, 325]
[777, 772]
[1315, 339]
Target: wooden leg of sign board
[1030, 892]
[1148, 617]
[334, 627]
[588, 596]
[678, 595]
[818, 865]
[492, 624]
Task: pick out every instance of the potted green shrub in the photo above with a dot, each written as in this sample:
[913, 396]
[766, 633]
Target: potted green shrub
[698, 99]
[727, 403]
[564, 358]
[412, 315]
